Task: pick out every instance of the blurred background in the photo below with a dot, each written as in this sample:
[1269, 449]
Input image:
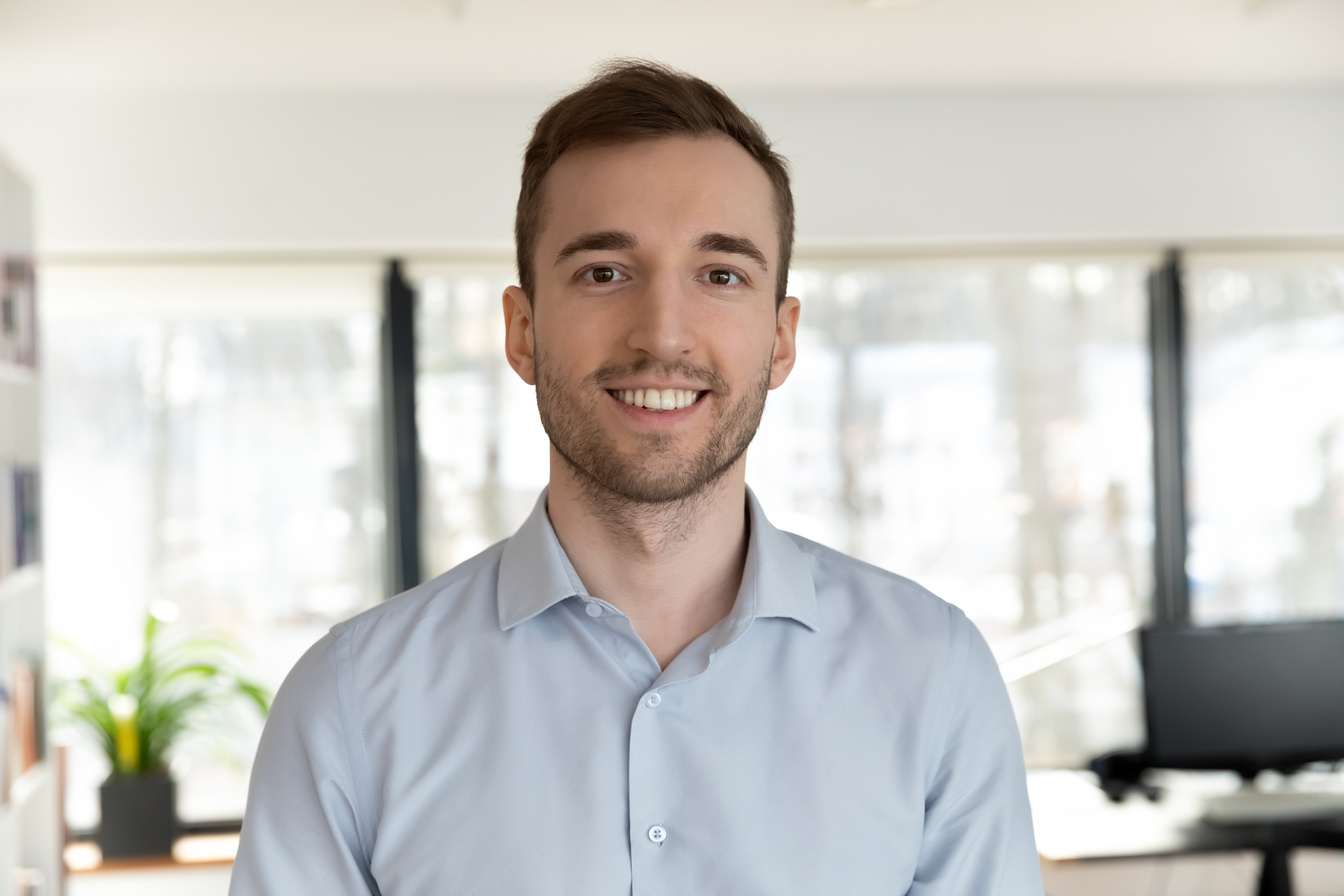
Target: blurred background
[212, 196]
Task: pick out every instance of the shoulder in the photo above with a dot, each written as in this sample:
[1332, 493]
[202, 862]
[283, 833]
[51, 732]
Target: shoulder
[915, 649]
[852, 592]
[897, 629]
[460, 600]
[467, 588]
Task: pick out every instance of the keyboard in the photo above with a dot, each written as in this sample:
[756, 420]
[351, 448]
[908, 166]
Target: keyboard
[1252, 806]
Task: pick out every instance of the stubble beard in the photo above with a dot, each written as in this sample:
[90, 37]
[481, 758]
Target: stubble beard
[655, 481]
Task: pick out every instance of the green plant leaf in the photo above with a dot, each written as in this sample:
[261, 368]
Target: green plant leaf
[181, 685]
[260, 696]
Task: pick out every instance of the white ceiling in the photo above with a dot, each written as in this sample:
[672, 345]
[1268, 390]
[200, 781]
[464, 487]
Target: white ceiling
[531, 46]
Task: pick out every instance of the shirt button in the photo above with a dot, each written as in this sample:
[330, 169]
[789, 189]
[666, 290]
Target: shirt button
[593, 609]
[653, 700]
[658, 834]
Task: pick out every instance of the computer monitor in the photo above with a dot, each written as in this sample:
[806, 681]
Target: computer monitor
[1244, 697]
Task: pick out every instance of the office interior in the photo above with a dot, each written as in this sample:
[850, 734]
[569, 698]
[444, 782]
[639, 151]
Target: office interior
[1072, 336]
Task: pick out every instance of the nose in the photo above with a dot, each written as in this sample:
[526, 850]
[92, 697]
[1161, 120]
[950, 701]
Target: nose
[662, 324]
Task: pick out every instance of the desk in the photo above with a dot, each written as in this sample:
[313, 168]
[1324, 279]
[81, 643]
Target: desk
[1075, 822]
[191, 851]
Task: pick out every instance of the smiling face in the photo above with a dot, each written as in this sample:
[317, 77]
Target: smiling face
[654, 334]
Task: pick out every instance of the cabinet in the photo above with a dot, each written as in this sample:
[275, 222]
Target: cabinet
[29, 812]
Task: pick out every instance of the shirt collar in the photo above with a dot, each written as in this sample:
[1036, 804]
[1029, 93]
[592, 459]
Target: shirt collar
[776, 579]
[535, 574]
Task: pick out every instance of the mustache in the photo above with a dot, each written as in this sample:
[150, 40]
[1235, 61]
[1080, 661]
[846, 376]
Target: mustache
[614, 372]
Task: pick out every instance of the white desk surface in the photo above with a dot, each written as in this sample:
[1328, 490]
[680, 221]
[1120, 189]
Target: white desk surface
[1074, 819]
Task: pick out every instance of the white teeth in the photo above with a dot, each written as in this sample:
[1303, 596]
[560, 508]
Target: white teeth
[658, 399]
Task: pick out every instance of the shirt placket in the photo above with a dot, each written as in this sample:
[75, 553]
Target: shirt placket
[659, 861]
[655, 851]
[658, 858]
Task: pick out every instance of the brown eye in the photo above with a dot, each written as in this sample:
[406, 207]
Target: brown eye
[723, 278]
[603, 275]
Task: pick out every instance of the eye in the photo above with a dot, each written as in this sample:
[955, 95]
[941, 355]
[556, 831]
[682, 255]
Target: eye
[603, 275]
[723, 277]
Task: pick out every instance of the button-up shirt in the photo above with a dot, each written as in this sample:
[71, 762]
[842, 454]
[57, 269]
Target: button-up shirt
[500, 730]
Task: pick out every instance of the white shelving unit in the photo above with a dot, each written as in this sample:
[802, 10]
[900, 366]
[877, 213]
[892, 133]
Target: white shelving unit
[30, 832]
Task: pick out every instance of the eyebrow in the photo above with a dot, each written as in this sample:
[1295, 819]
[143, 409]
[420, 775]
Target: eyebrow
[607, 240]
[598, 241]
[733, 245]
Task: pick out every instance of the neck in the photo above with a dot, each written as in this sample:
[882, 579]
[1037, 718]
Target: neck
[674, 567]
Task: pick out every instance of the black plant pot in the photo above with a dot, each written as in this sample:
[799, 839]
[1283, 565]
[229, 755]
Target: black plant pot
[139, 815]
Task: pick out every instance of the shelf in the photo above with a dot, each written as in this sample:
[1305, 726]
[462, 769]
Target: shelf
[27, 784]
[21, 794]
[20, 415]
[17, 373]
[26, 581]
[30, 829]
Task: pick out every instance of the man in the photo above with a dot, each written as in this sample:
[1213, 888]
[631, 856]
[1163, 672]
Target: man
[648, 689]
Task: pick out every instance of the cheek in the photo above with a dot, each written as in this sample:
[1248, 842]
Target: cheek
[750, 344]
[578, 329]
[562, 339]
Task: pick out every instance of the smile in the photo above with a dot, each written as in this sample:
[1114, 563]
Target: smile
[657, 399]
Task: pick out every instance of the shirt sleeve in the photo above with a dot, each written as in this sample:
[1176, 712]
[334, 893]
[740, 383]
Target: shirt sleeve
[301, 828]
[978, 838]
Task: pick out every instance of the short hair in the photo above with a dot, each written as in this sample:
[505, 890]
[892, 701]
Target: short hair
[630, 100]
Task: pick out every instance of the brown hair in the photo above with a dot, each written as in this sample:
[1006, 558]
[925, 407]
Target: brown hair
[633, 99]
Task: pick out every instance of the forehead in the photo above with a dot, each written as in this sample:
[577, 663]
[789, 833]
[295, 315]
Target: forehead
[672, 188]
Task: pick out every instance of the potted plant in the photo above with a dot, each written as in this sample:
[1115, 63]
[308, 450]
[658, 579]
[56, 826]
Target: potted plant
[137, 714]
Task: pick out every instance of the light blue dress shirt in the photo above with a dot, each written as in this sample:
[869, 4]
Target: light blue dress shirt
[498, 730]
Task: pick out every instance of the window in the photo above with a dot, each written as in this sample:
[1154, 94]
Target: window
[211, 438]
[982, 427]
[979, 426]
[484, 455]
[1266, 437]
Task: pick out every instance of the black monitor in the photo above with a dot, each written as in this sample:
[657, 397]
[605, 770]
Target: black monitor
[1244, 697]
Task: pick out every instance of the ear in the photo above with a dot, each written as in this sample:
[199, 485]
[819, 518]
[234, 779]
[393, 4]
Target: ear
[518, 340]
[786, 340]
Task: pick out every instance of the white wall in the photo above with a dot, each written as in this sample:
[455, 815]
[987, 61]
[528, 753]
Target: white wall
[150, 174]
[230, 172]
[1111, 166]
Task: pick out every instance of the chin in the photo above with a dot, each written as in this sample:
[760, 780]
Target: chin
[636, 483]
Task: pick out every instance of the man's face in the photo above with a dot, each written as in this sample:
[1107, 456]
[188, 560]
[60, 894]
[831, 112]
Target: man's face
[656, 270]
